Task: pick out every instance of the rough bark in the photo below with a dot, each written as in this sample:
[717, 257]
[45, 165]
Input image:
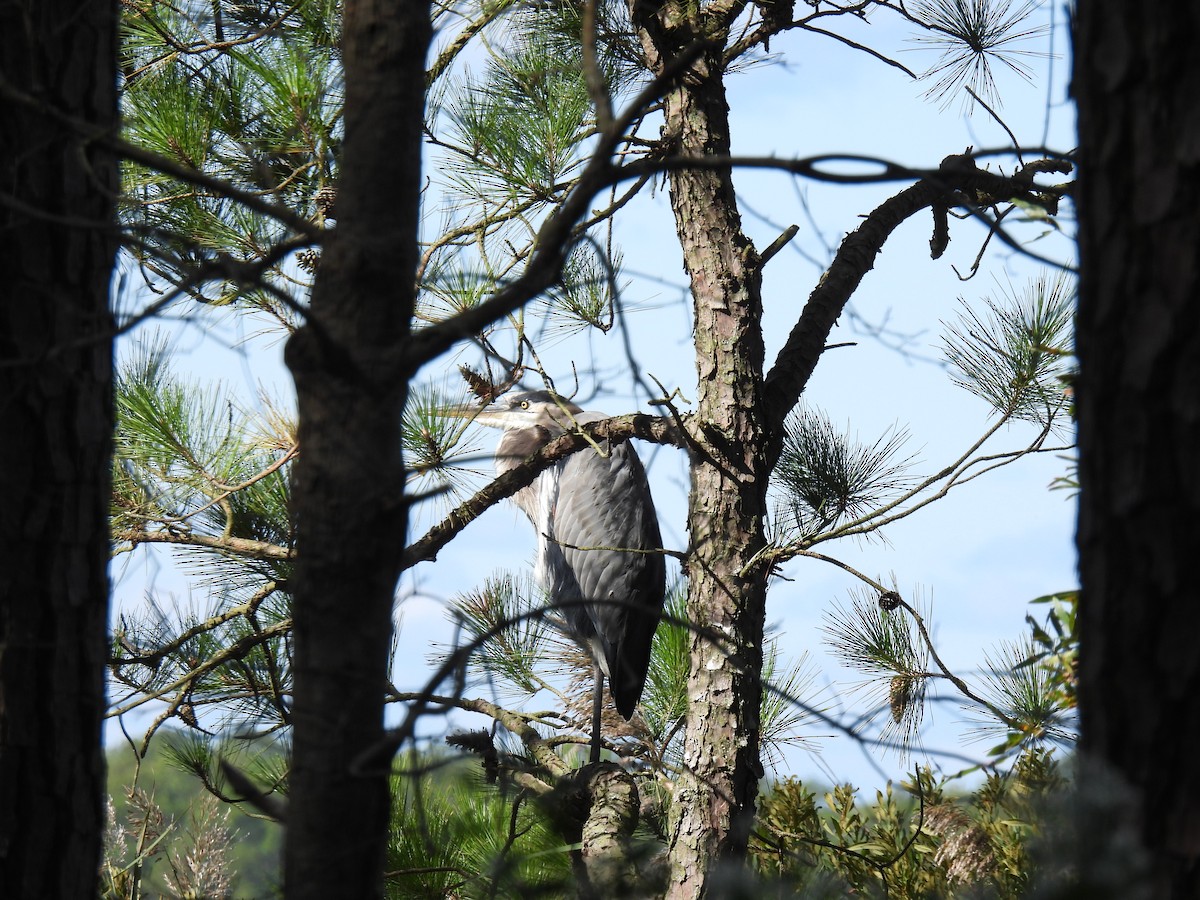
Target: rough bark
[1136, 80]
[349, 479]
[606, 845]
[57, 245]
[714, 802]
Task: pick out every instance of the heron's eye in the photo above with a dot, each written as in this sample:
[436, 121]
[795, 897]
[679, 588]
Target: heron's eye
[524, 404]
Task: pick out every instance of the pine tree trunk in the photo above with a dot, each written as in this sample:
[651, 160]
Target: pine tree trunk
[1136, 82]
[714, 802]
[351, 383]
[57, 245]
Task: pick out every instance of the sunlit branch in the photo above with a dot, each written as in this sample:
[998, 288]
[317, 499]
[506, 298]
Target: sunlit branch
[873, 520]
[953, 476]
[520, 724]
[251, 549]
[447, 56]
[957, 176]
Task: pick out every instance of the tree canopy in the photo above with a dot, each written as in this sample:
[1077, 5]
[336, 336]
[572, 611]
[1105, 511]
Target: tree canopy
[430, 205]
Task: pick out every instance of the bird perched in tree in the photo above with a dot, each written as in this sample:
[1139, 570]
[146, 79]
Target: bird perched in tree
[597, 541]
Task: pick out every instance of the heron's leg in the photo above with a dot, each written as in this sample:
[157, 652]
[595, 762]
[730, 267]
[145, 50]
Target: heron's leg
[597, 708]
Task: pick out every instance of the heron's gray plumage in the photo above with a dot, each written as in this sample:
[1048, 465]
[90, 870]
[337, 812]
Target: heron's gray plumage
[592, 512]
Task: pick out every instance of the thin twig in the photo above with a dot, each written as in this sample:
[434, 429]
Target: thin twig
[962, 686]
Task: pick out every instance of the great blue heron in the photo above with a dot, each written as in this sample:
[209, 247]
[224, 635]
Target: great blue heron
[595, 522]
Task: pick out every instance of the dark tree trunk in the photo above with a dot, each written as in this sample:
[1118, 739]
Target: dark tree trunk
[351, 384]
[1136, 82]
[57, 245]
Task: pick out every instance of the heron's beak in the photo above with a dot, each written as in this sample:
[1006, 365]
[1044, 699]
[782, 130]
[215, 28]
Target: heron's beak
[490, 415]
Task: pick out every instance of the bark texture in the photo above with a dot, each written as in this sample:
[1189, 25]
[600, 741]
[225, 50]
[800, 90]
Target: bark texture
[606, 837]
[714, 801]
[57, 245]
[1136, 81]
[347, 362]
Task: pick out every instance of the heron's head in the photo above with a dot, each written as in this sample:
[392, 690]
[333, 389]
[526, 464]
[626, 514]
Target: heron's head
[526, 409]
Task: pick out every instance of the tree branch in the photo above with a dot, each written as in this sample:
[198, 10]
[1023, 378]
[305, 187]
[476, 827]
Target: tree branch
[154, 656]
[958, 176]
[520, 724]
[656, 429]
[238, 546]
[554, 237]
[230, 653]
[163, 164]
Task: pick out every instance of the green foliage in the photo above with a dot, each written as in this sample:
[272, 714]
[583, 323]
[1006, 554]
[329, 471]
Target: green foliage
[587, 293]
[191, 471]
[826, 477]
[166, 832]
[927, 844]
[1016, 356]
[664, 701]
[1032, 706]
[619, 56]
[454, 835]
[434, 447]
[790, 699]
[523, 123]
[1033, 681]
[263, 761]
[186, 459]
[1056, 645]
[511, 634]
[451, 286]
[259, 108]
[508, 140]
[886, 646]
[1027, 691]
[865, 847]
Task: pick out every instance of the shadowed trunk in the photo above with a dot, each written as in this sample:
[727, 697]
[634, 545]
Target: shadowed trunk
[351, 383]
[1136, 80]
[57, 245]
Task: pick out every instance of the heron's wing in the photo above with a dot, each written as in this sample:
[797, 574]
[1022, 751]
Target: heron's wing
[604, 507]
[553, 569]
